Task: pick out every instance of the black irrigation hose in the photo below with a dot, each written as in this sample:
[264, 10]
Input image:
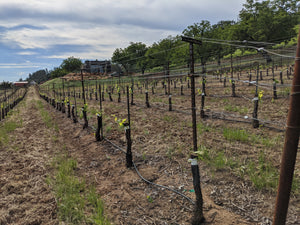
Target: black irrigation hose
[215, 114]
[139, 174]
[144, 179]
[161, 186]
[147, 181]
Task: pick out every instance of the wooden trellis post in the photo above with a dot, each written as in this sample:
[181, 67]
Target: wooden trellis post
[289, 154]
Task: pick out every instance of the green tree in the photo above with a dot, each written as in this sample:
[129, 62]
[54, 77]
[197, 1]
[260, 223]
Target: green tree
[58, 72]
[39, 76]
[160, 54]
[223, 30]
[71, 64]
[5, 85]
[268, 21]
[180, 53]
[132, 57]
[136, 53]
[201, 30]
[120, 56]
[140, 50]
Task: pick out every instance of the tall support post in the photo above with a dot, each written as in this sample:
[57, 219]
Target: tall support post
[193, 100]
[198, 211]
[129, 162]
[96, 93]
[75, 100]
[131, 90]
[82, 85]
[255, 121]
[63, 85]
[5, 97]
[231, 64]
[84, 108]
[99, 131]
[168, 75]
[101, 112]
[53, 90]
[289, 153]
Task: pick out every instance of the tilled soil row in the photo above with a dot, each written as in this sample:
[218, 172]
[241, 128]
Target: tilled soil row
[128, 199]
[25, 198]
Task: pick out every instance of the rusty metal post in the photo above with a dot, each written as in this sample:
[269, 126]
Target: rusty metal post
[289, 154]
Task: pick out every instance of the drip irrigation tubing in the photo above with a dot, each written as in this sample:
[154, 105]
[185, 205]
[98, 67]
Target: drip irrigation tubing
[215, 112]
[220, 115]
[139, 174]
[147, 181]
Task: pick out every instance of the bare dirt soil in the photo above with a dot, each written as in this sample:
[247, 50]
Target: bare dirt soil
[162, 140]
[27, 199]
[161, 146]
[128, 199]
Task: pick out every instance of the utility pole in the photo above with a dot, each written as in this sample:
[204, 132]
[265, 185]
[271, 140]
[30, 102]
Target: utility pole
[289, 154]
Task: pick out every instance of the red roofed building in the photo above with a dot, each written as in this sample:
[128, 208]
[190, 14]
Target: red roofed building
[21, 83]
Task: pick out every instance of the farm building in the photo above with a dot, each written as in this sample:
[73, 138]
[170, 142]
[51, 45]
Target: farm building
[97, 66]
[21, 83]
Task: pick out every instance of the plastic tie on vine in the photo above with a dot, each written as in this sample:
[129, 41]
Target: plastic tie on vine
[260, 49]
[193, 162]
[255, 99]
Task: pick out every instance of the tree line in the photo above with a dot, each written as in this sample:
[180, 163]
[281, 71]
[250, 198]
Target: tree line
[68, 65]
[265, 22]
[271, 21]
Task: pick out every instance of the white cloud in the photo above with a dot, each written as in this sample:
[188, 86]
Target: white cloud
[26, 53]
[93, 29]
[101, 40]
[17, 65]
[20, 74]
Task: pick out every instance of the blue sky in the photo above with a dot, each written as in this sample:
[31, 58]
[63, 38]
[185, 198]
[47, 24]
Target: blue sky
[39, 34]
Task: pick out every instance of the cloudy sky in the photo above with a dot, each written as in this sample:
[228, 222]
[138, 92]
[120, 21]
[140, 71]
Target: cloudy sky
[39, 34]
